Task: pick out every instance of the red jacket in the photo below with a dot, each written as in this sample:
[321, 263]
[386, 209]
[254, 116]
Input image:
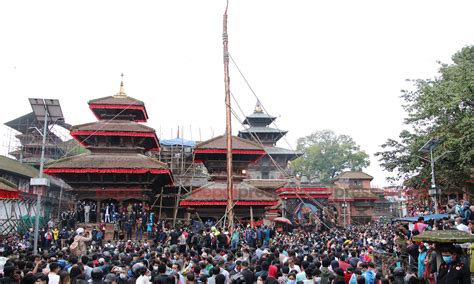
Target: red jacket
[344, 265]
[347, 277]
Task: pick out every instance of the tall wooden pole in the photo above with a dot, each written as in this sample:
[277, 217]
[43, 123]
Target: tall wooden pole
[228, 128]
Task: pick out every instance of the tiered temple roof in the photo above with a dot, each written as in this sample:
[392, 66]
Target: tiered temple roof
[119, 107]
[258, 130]
[213, 154]
[215, 193]
[242, 149]
[85, 133]
[117, 144]
[355, 175]
[303, 192]
[277, 158]
[107, 163]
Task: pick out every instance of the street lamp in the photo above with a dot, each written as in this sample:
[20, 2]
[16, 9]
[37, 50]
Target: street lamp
[428, 148]
[344, 207]
[44, 110]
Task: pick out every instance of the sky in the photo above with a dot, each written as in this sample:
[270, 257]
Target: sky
[315, 65]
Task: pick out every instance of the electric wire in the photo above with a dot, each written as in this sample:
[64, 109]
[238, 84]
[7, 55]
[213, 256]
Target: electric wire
[255, 137]
[255, 95]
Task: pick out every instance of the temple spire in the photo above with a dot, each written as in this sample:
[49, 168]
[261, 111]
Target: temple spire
[121, 93]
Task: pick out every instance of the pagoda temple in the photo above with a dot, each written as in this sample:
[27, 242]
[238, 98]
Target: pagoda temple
[29, 151]
[210, 200]
[117, 170]
[271, 165]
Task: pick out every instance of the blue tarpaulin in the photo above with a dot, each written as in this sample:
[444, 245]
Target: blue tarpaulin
[426, 217]
[178, 142]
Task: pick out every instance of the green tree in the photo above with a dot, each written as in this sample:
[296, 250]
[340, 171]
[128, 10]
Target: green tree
[437, 108]
[326, 155]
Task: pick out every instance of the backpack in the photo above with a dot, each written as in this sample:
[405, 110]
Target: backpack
[73, 247]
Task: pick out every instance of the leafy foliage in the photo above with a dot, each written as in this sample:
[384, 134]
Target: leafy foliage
[437, 108]
[326, 155]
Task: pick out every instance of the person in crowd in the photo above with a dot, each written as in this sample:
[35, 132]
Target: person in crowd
[185, 254]
[79, 246]
[53, 275]
[466, 212]
[128, 228]
[453, 268]
[420, 226]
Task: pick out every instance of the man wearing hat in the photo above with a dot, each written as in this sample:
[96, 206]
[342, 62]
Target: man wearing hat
[81, 241]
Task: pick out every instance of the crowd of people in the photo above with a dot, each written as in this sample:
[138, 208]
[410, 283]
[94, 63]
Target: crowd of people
[452, 207]
[374, 253]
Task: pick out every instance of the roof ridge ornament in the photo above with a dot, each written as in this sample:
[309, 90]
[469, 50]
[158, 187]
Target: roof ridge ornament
[121, 92]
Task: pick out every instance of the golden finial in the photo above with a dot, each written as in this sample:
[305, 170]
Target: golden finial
[258, 108]
[121, 93]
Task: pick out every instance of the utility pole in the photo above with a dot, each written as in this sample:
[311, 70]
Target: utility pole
[433, 182]
[44, 110]
[428, 148]
[38, 186]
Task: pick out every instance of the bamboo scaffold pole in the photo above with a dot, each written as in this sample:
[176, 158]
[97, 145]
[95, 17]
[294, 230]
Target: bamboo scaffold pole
[230, 205]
